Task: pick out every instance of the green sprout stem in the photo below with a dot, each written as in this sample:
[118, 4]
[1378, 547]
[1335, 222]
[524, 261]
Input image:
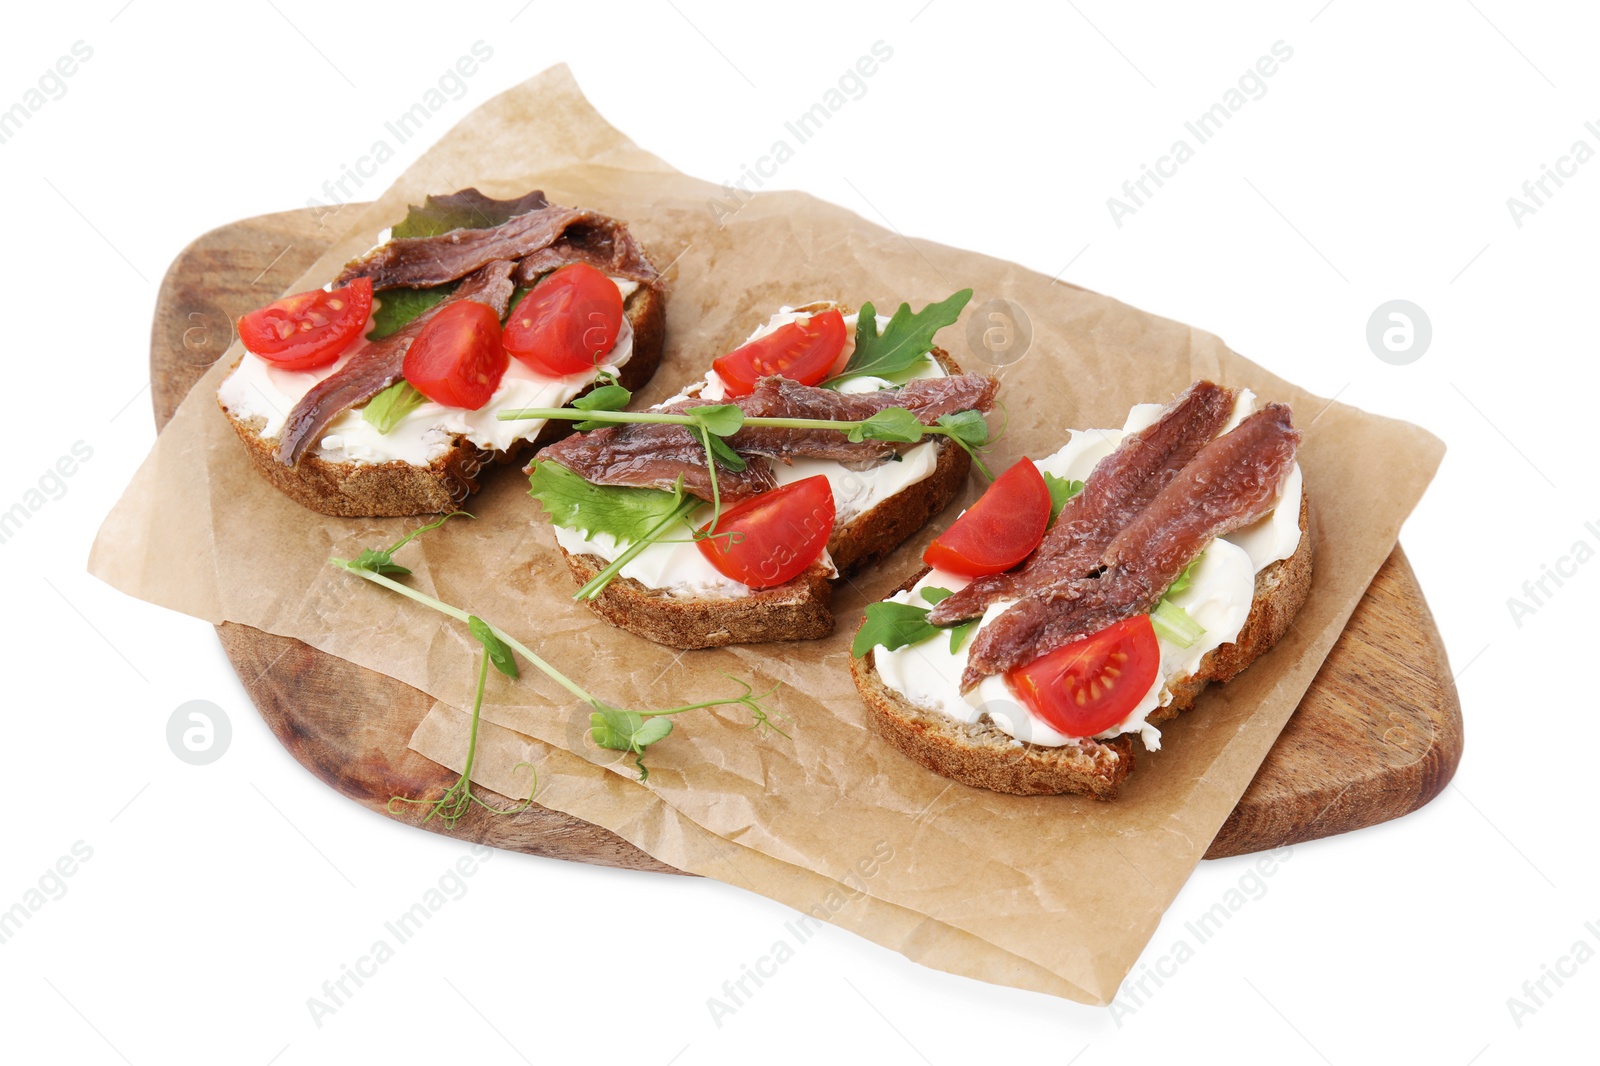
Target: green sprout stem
[595, 585]
[461, 616]
[458, 800]
[666, 419]
[459, 797]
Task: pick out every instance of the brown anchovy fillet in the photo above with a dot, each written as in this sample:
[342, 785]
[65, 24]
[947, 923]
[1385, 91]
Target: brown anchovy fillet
[377, 364]
[642, 455]
[1231, 483]
[1120, 486]
[609, 248]
[779, 397]
[420, 262]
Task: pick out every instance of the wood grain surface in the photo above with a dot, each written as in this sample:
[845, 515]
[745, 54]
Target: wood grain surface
[1377, 735]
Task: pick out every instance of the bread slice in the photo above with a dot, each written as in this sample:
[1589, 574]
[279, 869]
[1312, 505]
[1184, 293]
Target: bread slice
[800, 609]
[349, 489]
[984, 756]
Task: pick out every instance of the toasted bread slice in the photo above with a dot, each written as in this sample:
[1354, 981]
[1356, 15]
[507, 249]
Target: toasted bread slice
[800, 609]
[984, 756]
[350, 489]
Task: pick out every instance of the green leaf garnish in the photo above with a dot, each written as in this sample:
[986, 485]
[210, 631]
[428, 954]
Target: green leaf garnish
[936, 595]
[627, 515]
[467, 209]
[1061, 490]
[381, 560]
[385, 410]
[609, 397]
[968, 427]
[892, 625]
[498, 653]
[894, 424]
[1185, 579]
[628, 731]
[907, 338]
[724, 454]
[721, 419]
[397, 307]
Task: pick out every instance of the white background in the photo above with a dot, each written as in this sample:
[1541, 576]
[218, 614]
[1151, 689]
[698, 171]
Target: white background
[1376, 166]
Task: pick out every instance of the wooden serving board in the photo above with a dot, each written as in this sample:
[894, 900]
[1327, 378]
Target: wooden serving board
[1377, 735]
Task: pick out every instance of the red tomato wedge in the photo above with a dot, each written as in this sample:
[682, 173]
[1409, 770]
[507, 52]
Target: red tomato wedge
[457, 359]
[804, 351]
[998, 531]
[568, 323]
[775, 535]
[308, 329]
[1090, 685]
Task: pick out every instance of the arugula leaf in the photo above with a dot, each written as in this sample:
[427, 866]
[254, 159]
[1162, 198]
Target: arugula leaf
[1061, 490]
[397, 307]
[907, 338]
[611, 397]
[958, 634]
[891, 424]
[892, 625]
[626, 514]
[385, 410]
[498, 653]
[467, 209]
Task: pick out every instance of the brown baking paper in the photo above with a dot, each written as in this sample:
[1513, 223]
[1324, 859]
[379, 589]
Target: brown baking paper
[1071, 887]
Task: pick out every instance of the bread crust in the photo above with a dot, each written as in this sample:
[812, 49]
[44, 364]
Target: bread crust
[352, 489]
[800, 609]
[983, 756]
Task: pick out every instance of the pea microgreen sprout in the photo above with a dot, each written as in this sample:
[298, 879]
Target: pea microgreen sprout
[615, 728]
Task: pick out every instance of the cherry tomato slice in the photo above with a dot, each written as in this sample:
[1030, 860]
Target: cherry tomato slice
[998, 531]
[775, 535]
[568, 323]
[804, 351]
[457, 359]
[1090, 685]
[308, 329]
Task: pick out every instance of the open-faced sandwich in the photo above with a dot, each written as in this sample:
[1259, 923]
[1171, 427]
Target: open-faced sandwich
[835, 436]
[376, 395]
[1090, 595]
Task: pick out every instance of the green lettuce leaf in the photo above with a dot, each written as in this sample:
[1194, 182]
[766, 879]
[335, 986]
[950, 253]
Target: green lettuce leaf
[627, 514]
[385, 410]
[397, 307]
[1061, 490]
[467, 209]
